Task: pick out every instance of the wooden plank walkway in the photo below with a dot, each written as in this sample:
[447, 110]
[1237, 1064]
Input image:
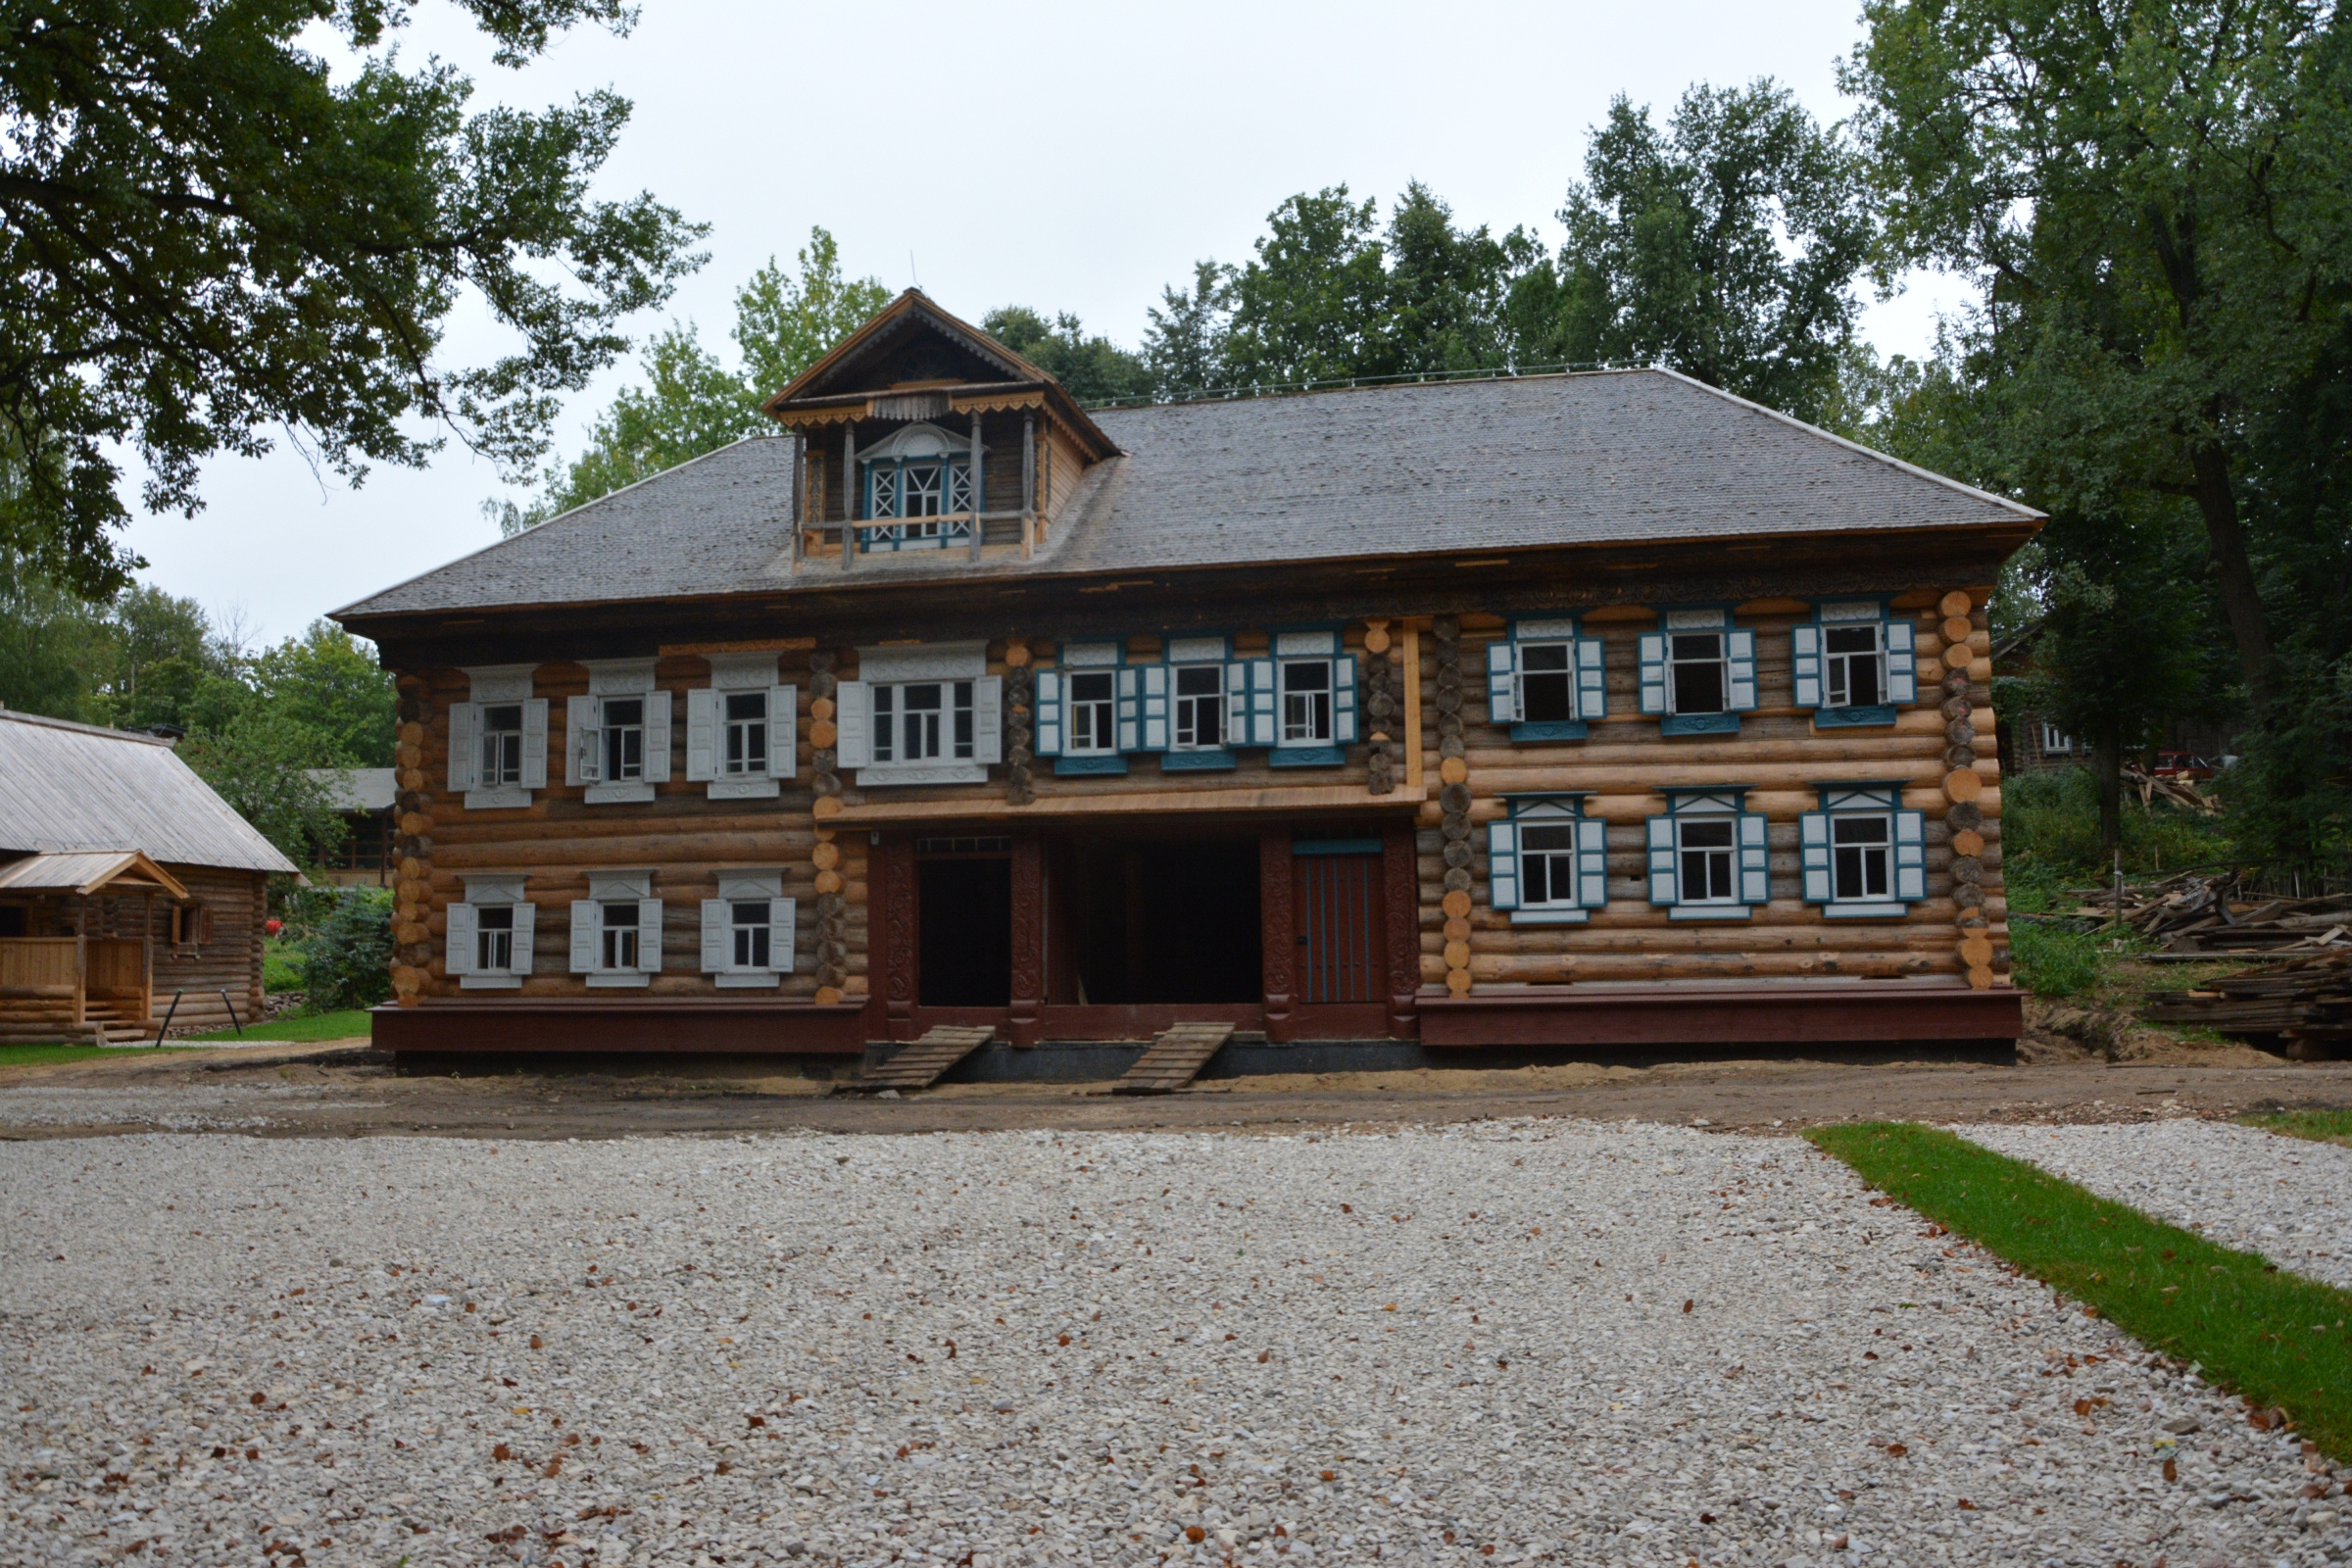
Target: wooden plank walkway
[922, 1062]
[1174, 1059]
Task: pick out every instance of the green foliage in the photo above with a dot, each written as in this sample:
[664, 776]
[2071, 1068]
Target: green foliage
[1725, 246]
[206, 234]
[2270, 1334]
[50, 643]
[2050, 829]
[302, 1028]
[2320, 1126]
[281, 965]
[330, 684]
[692, 404]
[348, 962]
[47, 1055]
[1089, 369]
[2055, 960]
[258, 764]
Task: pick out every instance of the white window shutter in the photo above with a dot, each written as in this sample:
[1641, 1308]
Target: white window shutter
[987, 720]
[1910, 855]
[1502, 681]
[458, 955]
[702, 735]
[1741, 645]
[587, 923]
[649, 936]
[1156, 708]
[1804, 657]
[718, 936]
[1503, 865]
[784, 731]
[1902, 665]
[527, 931]
[656, 737]
[583, 757]
[464, 743]
[853, 719]
[1237, 703]
[1813, 844]
[1653, 674]
[1661, 861]
[1265, 727]
[1343, 699]
[1592, 862]
[1048, 719]
[782, 922]
[1755, 858]
[1592, 679]
[535, 744]
[1129, 708]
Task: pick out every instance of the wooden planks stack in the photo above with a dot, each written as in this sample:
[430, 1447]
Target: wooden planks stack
[1175, 1058]
[924, 1062]
[2304, 998]
[2200, 913]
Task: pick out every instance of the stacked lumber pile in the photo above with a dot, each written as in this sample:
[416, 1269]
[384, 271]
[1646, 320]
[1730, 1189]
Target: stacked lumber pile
[2309, 999]
[2216, 912]
[2180, 791]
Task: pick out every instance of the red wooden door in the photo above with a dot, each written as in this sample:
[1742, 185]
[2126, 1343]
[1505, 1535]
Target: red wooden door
[1336, 904]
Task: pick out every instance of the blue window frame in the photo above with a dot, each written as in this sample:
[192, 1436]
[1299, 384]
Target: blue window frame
[1854, 664]
[1546, 681]
[927, 477]
[1548, 862]
[1699, 671]
[1709, 857]
[1863, 855]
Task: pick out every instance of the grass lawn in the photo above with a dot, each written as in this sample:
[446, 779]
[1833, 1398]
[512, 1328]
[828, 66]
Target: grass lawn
[2320, 1126]
[2275, 1338]
[37, 1055]
[308, 1026]
[281, 964]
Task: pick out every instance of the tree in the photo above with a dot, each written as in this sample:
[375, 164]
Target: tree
[203, 235]
[693, 402]
[260, 766]
[51, 644]
[1184, 347]
[329, 683]
[1724, 247]
[2152, 196]
[1091, 370]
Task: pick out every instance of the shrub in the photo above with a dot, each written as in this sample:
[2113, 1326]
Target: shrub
[2052, 818]
[347, 963]
[2054, 960]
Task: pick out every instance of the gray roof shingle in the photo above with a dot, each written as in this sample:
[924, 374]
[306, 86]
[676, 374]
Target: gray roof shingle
[1595, 458]
[77, 787]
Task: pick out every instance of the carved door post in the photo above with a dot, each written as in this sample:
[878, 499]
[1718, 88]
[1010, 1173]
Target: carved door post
[1028, 938]
[893, 862]
[1279, 929]
[1402, 872]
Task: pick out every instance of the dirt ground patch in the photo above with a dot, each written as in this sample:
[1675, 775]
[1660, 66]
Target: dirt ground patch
[346, 1090]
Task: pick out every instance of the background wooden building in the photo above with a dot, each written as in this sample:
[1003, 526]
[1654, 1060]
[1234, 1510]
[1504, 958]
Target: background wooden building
[1583, 710]
[124, 881]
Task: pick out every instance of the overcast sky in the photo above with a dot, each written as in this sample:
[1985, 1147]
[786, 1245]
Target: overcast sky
[1069, 158]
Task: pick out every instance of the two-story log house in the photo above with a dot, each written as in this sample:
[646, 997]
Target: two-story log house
[1576, 711]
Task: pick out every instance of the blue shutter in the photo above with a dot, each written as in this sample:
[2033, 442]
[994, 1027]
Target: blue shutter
[1756, 860]
[1502, 681]
[1902, 665]
[1813, 841]
[1910, 855]
[1265, 727]
[1662, 881]
[1591, 863]
[1155, 701]
[1343, 699]
[1592, 686]
[1130, 709]
[1048, 713]
[1804, 646]
[1653, 674]
[1741, 647]
[1503, 864]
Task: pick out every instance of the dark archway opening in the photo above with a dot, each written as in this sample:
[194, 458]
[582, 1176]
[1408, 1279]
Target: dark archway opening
[966, 908]
[1154, 921]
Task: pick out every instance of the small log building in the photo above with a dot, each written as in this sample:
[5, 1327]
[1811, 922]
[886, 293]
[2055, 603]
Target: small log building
[1571, 711]
[125, 882]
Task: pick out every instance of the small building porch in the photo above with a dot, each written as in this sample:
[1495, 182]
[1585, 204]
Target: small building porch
[60, 977]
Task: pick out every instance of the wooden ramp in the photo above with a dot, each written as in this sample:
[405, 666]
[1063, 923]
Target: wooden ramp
[922, 1063]
[1175, 1058]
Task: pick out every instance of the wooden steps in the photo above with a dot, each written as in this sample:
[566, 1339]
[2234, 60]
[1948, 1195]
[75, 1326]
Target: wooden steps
[921, 1063]
[1174, 1059]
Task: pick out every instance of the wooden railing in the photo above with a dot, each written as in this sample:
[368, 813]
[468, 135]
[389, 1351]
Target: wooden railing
[52, 971]
[118, 967]
[37, 967]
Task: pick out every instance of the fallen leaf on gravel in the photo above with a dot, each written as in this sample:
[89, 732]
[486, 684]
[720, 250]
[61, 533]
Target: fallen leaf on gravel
[1895, 1450]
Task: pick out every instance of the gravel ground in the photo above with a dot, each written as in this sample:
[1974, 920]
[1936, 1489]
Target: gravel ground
[2289, 1198]
[194, 1107]
[1504, 1342]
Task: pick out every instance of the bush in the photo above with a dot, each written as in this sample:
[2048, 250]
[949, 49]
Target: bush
[2054, 960]
[2051, 818]
[348, 960]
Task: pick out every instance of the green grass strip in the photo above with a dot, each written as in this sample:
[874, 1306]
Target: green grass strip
[2320, 1126]
[348, 1025]
[2275, 1337]
[41, 1056]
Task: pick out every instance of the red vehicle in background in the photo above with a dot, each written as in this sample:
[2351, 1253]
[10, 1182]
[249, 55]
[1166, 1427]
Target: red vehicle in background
[2187, 766]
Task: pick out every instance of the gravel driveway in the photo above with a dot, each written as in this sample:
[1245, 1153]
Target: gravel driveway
[2289, 1198]
[1502, 1342]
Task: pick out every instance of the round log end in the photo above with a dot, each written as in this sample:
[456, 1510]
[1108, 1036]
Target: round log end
[826, 806]
[1968, 842]
[1457, 956]
[823, 732]
[1980, 977]
[826, 857]
[828, 881]
[829, 996]
[1454, 769]
[820, 707]
[1962, 785]
[1956, 631]
[1376, 640]
[1977, 952]
[1458, 981]
[1457, 929]
[1456, 905]
[1957, 603]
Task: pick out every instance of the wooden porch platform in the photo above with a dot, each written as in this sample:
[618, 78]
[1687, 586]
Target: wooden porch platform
[1175, 1059]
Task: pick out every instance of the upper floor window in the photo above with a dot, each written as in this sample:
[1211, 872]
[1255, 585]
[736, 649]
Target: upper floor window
[623, 728]
[1306, 702]
[618, 741]
[498, 738]
[1862, 854]
[916, 473]
[921, 714]
[1698, 672]
[745, 750]
[2056, 742]
[501, 746]
[1708, 859]
[923, 722]
[741, 731]
[1198, 703]
[1853, 664]
[1546, 681]
[1313, 685]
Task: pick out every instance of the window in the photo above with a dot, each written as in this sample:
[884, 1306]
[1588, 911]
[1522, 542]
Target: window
[1853, 664]
[619, 936]
[1306, 702]
[1300, 702]
[1852, 658]
[1698, 672]
[623, 731]
[617, 734]
[1708, 859]
[501, 746]
[1863, 854]
[1093, 711]
[489, 942]
[617, 930]
[923, 713]
[1095, 708]
[494, 938]
[191, 924]
[924, 475]
[748, 930]
[1200, 707]
[1546, 681]
[923, 721]
[746, 734]
[1548, 864]
[2056, 742]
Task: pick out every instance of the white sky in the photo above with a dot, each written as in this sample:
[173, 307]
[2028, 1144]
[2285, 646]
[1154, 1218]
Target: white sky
[1065, 157]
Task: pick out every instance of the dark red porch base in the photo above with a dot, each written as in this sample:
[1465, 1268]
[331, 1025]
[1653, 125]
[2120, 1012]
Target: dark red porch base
[1795, 1013]
[622, 1024]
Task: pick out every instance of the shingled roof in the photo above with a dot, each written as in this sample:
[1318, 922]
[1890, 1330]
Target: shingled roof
[77, 787]
[1595, 458]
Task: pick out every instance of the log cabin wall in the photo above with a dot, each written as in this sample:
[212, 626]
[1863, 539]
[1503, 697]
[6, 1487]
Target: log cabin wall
[227, 957]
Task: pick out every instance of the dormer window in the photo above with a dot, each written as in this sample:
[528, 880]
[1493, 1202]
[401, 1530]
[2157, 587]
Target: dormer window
[919, 472]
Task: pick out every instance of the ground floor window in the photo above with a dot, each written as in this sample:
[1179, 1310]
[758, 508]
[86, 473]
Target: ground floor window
[617, 930]
[1863, 853]
[1708, 856]
[489, 946]
[748, 930]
